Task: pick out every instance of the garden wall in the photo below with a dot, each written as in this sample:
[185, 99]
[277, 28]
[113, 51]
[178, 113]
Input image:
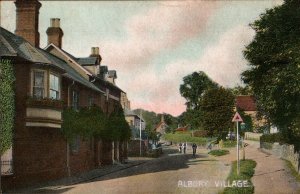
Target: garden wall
[252, 136]
[284, 151]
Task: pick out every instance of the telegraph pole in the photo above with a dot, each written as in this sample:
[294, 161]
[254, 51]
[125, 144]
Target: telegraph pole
[141, 132]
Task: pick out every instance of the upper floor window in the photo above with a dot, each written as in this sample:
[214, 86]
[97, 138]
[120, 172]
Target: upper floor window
[54, 87]
[75, 100]
[38, 84]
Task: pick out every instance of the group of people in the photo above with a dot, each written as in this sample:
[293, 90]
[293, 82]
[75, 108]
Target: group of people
[182, 148]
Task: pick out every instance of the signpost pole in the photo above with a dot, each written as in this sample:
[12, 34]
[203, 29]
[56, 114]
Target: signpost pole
[237, 118]
[237, 148]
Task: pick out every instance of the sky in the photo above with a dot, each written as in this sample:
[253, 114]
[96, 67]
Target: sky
[153, 44]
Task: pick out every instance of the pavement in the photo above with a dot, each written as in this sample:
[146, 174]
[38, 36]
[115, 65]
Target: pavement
[52, 186]
[271, 173]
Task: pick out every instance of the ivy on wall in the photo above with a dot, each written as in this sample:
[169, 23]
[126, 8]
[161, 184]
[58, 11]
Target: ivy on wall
[92, 121]
[7, 104]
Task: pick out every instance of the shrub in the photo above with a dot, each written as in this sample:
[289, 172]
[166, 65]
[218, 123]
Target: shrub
[218, 152]
[201, 133]
[271, 138]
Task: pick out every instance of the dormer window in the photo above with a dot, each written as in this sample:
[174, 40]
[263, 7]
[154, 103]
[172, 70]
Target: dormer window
[38, 84]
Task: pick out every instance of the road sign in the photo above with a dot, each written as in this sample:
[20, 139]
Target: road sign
[237, 118]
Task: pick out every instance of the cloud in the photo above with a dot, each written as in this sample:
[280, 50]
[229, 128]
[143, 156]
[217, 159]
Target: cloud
[222, 61]
[162, 27]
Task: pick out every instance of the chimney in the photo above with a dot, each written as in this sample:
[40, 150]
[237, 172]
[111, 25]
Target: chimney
[27, 20]
[55, 33]
[95, 53]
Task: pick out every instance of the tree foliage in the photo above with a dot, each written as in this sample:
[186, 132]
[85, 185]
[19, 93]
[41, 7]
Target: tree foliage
[217, 107]
[193, 88]
[274, 59]
[117, 126]
[7, 104]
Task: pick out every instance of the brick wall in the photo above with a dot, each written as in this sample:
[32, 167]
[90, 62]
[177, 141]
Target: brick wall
[39, 154]
[105, 152]
[83, 159]
[134, 148]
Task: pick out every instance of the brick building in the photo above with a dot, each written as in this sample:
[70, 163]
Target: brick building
[46, 82]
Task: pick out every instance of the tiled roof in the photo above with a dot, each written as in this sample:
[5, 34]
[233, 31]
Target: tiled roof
[131, 113]
[70, 72]
[246, 103]
[159, 124]
[13, 45]
[182, 128]
[87, 61]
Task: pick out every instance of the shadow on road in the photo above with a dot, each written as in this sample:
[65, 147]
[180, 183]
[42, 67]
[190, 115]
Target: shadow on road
[167, 163]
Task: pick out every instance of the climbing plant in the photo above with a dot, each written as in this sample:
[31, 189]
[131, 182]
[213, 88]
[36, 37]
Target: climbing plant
[117, 127]
[7, 104]
[92, 121]
[86, 122]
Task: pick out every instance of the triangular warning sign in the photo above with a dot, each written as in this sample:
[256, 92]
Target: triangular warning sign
[237, 118]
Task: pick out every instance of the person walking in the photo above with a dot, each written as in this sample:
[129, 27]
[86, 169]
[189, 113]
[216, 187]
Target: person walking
[184, 147]
[180, 148]
[194, 146]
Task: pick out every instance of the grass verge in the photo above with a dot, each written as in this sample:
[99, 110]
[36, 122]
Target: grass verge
[186, 137]
[246, 172]
[218, 152]
[292, 170]
[229, 144]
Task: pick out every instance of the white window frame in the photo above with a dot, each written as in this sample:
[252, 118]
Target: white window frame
[44, 94]
[59, 86]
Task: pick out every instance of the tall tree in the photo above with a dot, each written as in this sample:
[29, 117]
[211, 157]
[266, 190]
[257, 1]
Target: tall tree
[193, 88]
[217, 106]
[274, 58]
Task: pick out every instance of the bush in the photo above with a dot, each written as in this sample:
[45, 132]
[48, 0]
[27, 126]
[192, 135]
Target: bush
[271, 138]
[201, 133]
[218, 152]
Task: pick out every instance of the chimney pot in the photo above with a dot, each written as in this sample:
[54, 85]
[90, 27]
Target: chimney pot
[95, 51]
[52, 22]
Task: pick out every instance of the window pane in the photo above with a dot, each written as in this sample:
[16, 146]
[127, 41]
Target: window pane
[38, 92]
[38, 79]
[54, 87]
[54, 82]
